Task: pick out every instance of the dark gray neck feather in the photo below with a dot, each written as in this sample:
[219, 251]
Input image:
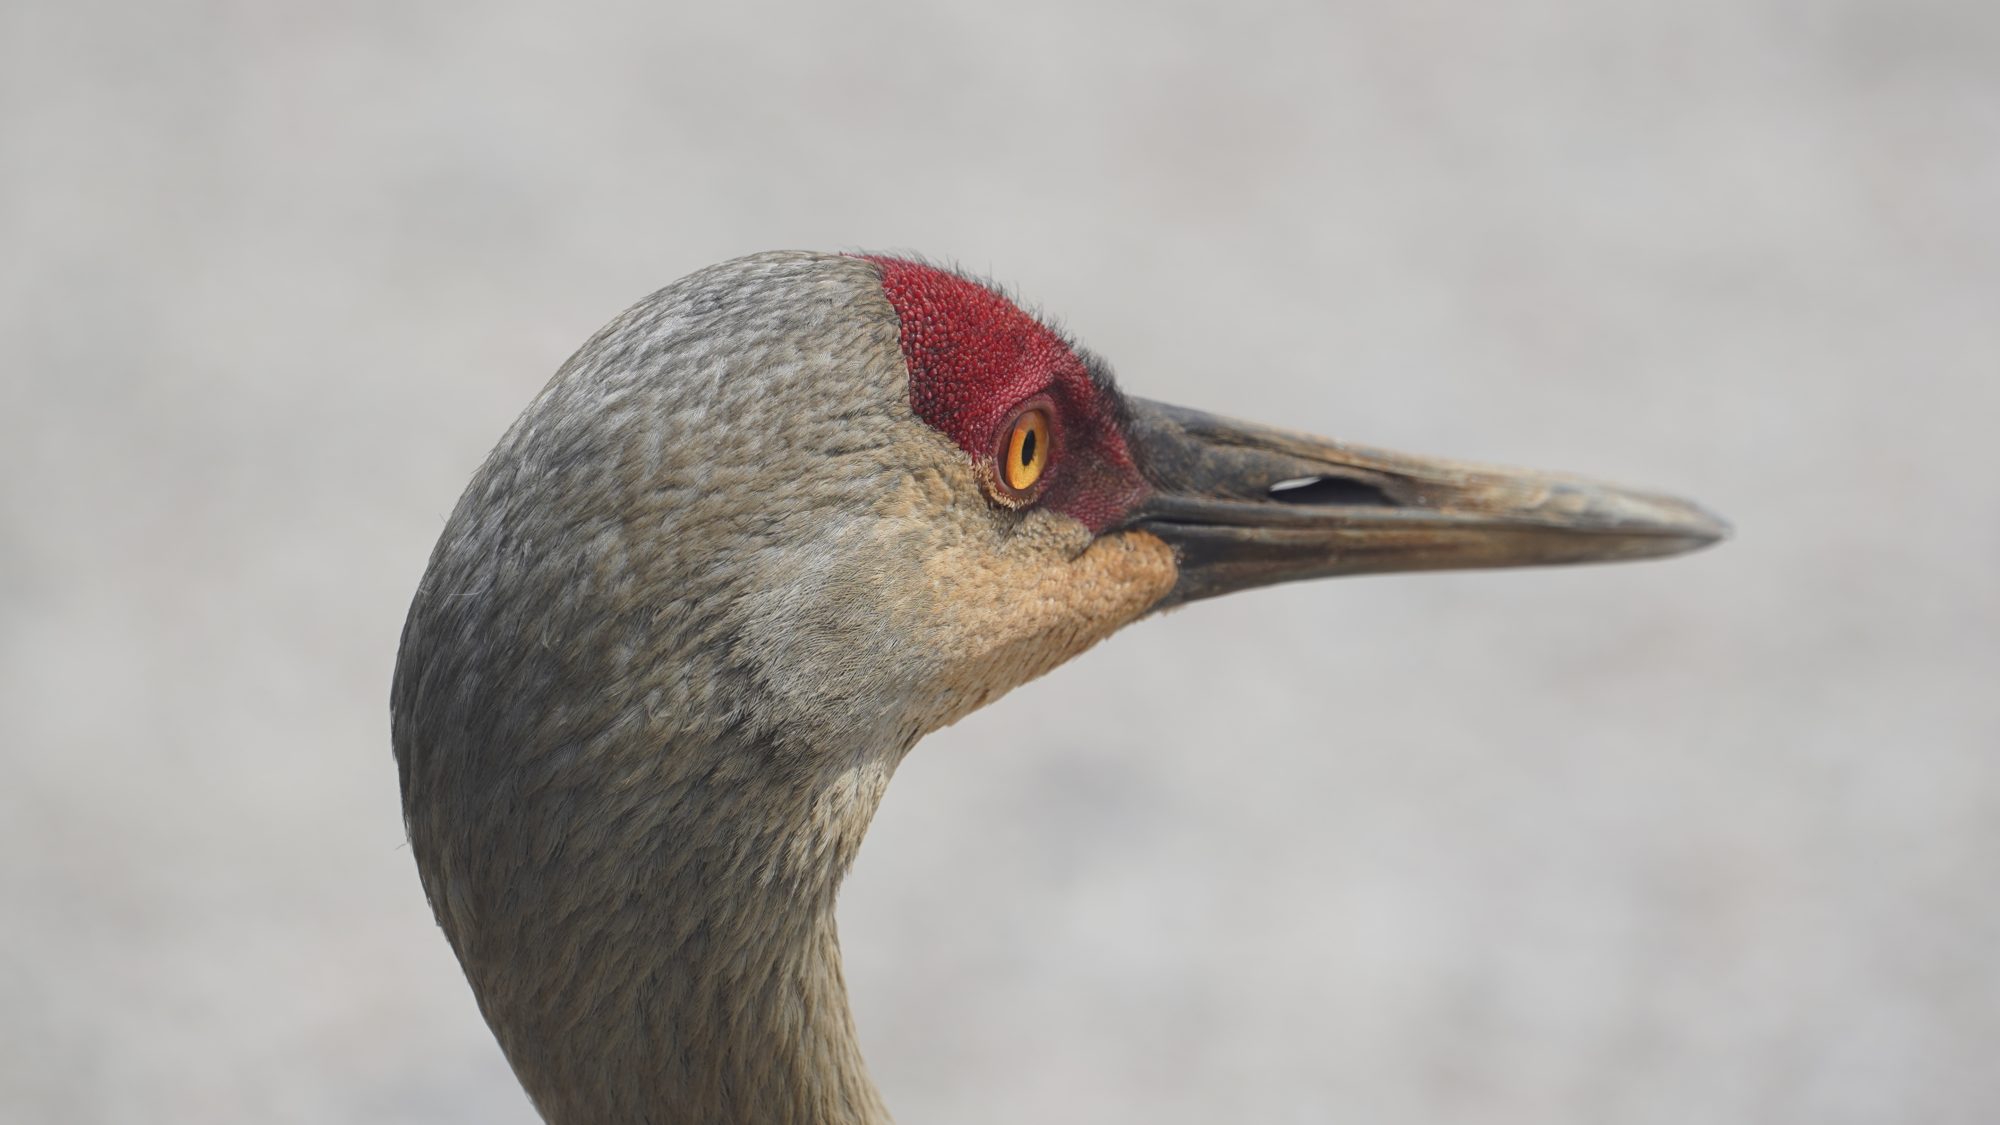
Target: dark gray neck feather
[672, 958]
[649, 925]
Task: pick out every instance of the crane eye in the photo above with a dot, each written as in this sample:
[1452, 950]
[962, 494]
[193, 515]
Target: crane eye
[1026, 453]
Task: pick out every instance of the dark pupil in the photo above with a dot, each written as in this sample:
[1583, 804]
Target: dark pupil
[1027, 449]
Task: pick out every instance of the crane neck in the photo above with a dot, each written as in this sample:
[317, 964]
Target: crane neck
[664, 948]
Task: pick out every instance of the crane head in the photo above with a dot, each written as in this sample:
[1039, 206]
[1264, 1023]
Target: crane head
[761, 533]
[830, 500]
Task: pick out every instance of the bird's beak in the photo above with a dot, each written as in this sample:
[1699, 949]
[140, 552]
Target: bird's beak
[1245, 506]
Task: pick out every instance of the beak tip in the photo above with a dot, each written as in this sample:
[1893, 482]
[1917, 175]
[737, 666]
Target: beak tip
[1684, 524]
[1706, 529]
[1695, 524]
[1718, 529]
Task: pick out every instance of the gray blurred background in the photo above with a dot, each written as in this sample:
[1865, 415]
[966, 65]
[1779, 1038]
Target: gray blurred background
[1711, 840]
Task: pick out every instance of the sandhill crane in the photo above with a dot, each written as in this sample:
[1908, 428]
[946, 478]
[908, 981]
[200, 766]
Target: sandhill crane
[763, 532]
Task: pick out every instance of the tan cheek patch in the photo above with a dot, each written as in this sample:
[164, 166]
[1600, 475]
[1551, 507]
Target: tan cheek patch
[1004, 617]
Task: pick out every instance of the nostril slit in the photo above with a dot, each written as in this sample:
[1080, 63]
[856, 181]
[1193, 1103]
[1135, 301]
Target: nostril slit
[1342, 491]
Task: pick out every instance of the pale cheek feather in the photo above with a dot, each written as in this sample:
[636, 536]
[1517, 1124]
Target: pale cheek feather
[1008, 617]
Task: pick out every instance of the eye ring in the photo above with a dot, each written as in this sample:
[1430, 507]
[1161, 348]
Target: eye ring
[1022, 455]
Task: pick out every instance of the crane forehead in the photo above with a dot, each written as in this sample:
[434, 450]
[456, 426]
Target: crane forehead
[974, 355]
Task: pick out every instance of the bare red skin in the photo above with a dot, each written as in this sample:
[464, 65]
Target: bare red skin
[976, 360]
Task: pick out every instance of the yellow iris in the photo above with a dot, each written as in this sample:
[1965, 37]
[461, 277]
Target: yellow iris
[1027, 451]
